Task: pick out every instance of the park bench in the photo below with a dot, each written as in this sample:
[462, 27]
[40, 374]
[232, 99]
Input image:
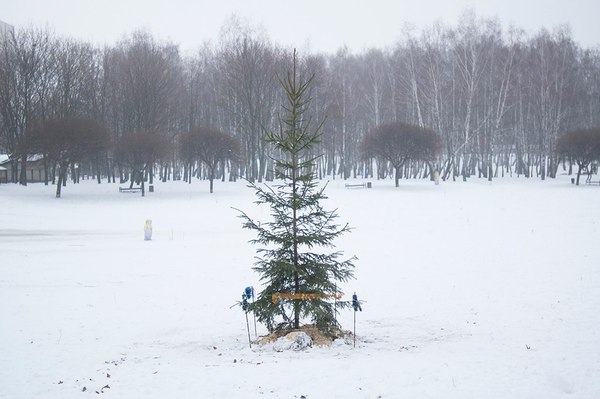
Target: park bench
[130, 189]
[358, 185]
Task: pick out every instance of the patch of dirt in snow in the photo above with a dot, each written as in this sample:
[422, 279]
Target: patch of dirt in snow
[318, 337]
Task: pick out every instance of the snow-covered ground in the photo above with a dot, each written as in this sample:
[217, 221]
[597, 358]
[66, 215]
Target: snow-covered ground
[472, 290]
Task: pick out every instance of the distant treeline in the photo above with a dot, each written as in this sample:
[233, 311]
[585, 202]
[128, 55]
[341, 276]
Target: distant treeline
[498, 98]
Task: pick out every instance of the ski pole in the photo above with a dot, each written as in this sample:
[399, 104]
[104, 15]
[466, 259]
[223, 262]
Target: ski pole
[250, 293]
[248, 326]
[245, 309]
[357, 307]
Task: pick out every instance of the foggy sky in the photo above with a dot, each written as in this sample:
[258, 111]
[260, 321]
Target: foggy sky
[318, 25]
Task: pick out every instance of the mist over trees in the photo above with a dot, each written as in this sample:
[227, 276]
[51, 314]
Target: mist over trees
[498, 99]
[581, 148]
[398, 144]
[67, 142]
[209, 147]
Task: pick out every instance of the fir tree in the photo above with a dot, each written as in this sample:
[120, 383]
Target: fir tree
[295, 254]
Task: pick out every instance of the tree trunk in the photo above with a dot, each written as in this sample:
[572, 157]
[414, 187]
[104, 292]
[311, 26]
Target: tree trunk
[578, 173]
[98, 174]
[45, 171]
[397, 172]
[23, 175]
[62, 177]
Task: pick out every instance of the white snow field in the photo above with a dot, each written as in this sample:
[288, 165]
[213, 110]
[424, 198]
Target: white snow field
[473, 290]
